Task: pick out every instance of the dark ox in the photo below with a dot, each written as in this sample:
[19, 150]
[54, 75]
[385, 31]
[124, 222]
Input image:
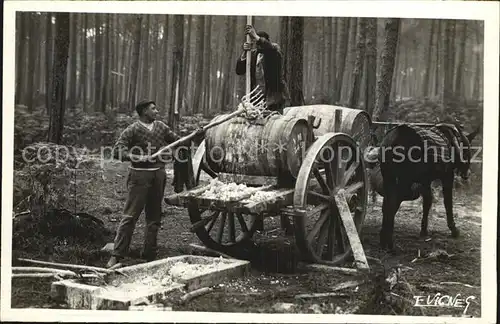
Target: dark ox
[407, 165]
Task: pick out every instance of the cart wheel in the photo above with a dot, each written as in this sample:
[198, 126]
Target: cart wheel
[332, 163]
[222, 231]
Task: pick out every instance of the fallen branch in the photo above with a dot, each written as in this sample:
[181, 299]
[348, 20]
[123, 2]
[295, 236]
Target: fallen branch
[319, 295]
[51, 275]
[209, 250]
[40, 269]
[72, 266]
[325, 268]
[195, 293]
[457, 283]
[345, 285]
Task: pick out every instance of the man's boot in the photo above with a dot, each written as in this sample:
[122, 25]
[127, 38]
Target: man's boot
[112, 261]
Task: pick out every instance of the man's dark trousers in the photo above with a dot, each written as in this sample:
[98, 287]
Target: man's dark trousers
[145, 191]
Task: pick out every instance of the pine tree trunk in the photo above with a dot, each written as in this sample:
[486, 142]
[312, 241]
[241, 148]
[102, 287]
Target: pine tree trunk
[437, 80]
[459, 84]
[296, 52]
[48, 62]
[427, 75]
[134, 68]
[72, 60]
[33, 45]
[477, 92]
[387, 67]
[98, 64]
[333, 62]
[187, 67]
[371, 64]
[448, 63]
[284, 41]
[176, 82]
[198, 87]
[207, 65]
[21, 54]
[359, 64]
[85, 74]
[106, 65]
[62, 40]
[342, 55]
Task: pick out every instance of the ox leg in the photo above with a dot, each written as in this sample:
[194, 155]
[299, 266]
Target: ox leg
[427, 203]
[448, 204]
[390, 206]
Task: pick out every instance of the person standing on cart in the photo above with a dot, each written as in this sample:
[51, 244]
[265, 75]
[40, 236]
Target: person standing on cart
[266, 68]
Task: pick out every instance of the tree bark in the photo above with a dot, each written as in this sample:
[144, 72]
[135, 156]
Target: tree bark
[448, 63]
[21, 53]
[342, 55]
[62, 40]
[359, 64]
[371, 64]
[33, 45]
[176, 84]
[387, 67]
[134, 68]
[48, 61]
[459, 84]
[296, 61]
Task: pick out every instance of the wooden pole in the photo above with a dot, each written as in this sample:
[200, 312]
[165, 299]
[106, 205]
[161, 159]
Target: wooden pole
[249, 57]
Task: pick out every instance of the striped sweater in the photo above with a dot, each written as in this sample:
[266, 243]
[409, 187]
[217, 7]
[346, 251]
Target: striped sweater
[138, 140]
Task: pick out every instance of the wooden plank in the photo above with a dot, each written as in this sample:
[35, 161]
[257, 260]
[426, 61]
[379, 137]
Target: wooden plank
[350, 228]
[282, 198]
[247, 179]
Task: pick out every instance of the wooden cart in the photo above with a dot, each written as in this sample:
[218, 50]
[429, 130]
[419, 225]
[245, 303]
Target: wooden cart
[324, 196]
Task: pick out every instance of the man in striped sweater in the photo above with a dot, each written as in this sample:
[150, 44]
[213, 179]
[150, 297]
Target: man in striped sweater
[146, 179]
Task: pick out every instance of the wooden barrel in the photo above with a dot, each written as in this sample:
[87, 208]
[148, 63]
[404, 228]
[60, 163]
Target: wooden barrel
[355, 122]
[271, 148]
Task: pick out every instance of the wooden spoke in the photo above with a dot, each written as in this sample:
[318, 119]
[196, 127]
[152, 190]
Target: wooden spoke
[220, 231]
[349, 190]
[242, 222]
[331, 237]
[339, 170]
[329, 175]
[322, 238]
[232, 229]
[318, 195]
[326, 189]
[212, 221]
[317, 226]
[350, 172]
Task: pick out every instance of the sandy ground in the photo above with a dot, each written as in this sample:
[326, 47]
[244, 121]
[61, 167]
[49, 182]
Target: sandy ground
[272, 285]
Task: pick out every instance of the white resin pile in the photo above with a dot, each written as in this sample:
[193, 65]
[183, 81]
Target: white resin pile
[227, 191]
[143, 283]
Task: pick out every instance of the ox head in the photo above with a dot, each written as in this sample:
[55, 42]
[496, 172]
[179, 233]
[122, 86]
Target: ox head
[465, 152]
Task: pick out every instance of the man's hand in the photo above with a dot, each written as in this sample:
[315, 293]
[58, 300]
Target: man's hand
[249, 30]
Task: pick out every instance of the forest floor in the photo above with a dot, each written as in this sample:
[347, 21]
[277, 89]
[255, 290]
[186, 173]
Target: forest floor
[271, 287]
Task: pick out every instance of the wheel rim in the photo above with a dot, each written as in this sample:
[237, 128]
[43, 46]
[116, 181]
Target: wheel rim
[321, 237]
[223, 230]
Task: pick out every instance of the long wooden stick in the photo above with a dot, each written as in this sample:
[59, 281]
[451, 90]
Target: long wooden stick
[249, 57]
[49, 275]
[40, 269]
[193, 134]
[70, 266]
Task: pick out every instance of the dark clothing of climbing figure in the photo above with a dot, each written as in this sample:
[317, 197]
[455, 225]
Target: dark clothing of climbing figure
[266, 69]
